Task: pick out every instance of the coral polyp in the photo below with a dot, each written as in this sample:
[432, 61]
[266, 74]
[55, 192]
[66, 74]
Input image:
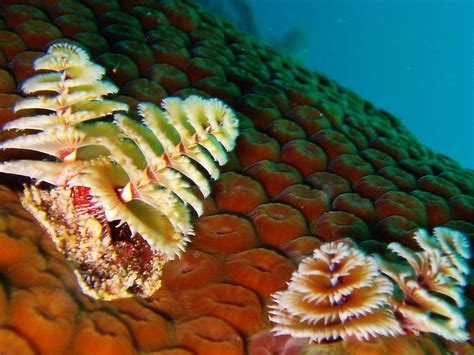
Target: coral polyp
[119, 206]
[337, 293]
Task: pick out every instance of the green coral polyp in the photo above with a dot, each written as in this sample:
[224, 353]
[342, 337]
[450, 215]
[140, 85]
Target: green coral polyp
[133, 176]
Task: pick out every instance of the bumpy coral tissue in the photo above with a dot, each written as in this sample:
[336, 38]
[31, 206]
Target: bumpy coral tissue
[335, 294]
[118, 209]
[432, 284]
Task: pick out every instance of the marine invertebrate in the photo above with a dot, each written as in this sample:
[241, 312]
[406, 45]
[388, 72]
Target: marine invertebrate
[261, 270]
[311, 119]
[119, 199]
[437, 209]
[48, 312]
[237, 193]
[373, 186]
[254, 146]
[300, 248]
[192, 269]
[275, 177]
[432, 284]
[312, 203]
[401, 204]
[277, 223]
[396, 229]
[269, 343]
[237, 305]
[224, 233]
[337, 293]
[333, 185]
[101, 332]
[404, 180]
[143, 324]
[355, 204]
[12, 342]
[307, 157]
[350, 166]
[209, 335]
[285, 130]
[335, 225]
[333, 143]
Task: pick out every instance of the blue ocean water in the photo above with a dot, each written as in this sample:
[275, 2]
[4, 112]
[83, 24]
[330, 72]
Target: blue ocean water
[414, 58]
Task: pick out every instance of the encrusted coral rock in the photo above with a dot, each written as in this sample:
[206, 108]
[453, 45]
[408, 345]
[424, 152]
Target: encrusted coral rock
[108, 265]
[337, 293]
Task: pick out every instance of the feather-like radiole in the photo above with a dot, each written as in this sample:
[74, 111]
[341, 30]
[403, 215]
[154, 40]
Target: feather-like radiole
[133, 179]
[432, 285]
[335, 294]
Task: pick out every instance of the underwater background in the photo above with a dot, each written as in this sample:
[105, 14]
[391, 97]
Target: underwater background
[413, 58]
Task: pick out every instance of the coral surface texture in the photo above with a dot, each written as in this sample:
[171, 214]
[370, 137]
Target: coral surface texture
[307, 221]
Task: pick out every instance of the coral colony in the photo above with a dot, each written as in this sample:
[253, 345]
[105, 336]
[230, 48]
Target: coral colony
[119, 207]
[272, 265]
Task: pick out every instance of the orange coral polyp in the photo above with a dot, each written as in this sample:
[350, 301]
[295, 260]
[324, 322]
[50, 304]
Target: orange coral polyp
[236, 305]
[305, 156]
[30, 273]
[254, 146]
[11, 44]
[101, 333]
[401, 204]
[13, 249]
[209, 335]
[238, 193]
[336, 225]
[36, 33]
[22, 64]
[301, 247]
[350, 166]
[266, 343]
[193, 269]
[312, 203]
[224, 233]
[357, 205]
[277, 223]
[333, 185]
[45, 316]
[13, 343]
[333, 143]
[261, 270]
[275, 177]
[150, 330]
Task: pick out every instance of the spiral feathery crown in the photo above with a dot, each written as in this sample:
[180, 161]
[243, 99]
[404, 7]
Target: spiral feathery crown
[335, 294]
[435, 277]
[136, 176]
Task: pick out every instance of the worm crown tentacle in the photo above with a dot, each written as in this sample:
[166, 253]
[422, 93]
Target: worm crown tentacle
[122, 188]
